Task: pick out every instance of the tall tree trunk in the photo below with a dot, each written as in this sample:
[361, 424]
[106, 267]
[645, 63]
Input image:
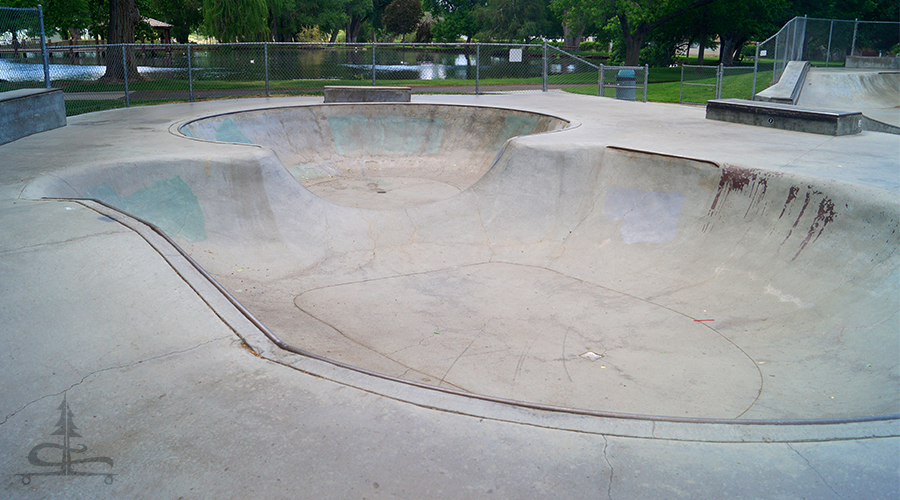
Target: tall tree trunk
[702, 52]
[572, 39]
[123, 16]
[353, 25]
[732, 43]
[572, 36]
[634, 41]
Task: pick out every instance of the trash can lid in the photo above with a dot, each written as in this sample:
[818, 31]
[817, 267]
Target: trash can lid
[626, 73]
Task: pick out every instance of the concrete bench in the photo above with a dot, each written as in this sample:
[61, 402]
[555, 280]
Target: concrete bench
[367, 94]
[784, 116]
[29, 111]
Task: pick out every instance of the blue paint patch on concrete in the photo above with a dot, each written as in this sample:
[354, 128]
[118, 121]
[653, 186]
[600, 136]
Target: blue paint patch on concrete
[169, 204]
[386, 135]
[228, 131]
[188, 132]
[647, 216]
[515, 125]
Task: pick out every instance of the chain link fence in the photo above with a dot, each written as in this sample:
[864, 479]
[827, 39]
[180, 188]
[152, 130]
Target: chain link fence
[23, 49]
[97, 77]
[822, 42]
[702, 83]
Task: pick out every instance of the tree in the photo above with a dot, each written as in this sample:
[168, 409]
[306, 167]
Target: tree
[574, 16]
[123, 16]
[236, 20]
[60, 16]
[288, 18]
[455, 18]
[514, 19]
[636, 19]
[743, 21]
[356, 11]
[17, 21]
[637, 22]
[402, 16]
[184, 16]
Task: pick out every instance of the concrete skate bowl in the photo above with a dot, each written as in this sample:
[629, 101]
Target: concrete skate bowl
[570, 274]
[874, 93]
[378, 155]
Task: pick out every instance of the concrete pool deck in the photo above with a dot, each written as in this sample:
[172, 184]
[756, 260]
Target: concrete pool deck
[184, 396]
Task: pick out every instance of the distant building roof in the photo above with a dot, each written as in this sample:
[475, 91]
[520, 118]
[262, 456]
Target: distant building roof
[155, 23]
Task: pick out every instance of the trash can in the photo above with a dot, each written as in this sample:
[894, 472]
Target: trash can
[625, 82]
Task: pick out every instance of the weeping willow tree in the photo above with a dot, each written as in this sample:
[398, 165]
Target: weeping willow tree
[236, 20]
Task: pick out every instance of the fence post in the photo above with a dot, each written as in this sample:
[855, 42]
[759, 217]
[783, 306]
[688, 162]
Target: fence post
[646, 80]
[266, 62]
[720, 77]
[600, 81]
[477, 66]
[190, 74]
[828, 54]
[602, 78]
[544, 72]
[853, 47]
[44, 54]
[125, 74]
[774, 58]
[373, 63]
[755, 71]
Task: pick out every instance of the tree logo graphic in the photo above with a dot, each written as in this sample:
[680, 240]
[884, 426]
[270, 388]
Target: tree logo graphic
[65, 427]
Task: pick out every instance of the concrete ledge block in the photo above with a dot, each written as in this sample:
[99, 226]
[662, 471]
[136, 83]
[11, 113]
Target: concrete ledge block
[29, 111]
[784, 116]
[867, 62]
[367, 94]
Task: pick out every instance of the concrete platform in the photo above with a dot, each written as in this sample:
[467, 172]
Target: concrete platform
[737, 285]
[785, 116]
[366, 94]
[30, 111]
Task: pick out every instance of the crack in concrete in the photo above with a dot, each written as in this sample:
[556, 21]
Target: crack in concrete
[110, 368]
[441, 382]
[60, 242]
[814, 470]
[611, 469]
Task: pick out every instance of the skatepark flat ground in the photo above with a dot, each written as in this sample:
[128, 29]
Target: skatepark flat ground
[737, 287]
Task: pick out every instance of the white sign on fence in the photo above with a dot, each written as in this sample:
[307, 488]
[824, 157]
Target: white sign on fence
[515, 55]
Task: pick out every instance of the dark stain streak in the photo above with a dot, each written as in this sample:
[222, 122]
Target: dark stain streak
[792, 195]
[737, 179]
[825, 216]
[757, 194]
